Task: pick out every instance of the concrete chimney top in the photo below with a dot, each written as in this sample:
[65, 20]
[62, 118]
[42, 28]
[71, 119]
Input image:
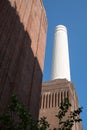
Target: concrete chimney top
[60, 58]
[61, 27]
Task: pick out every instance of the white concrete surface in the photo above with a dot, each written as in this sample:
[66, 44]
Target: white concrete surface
[60, 59]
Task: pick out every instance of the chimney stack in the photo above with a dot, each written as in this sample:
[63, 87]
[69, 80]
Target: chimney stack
[60, 60]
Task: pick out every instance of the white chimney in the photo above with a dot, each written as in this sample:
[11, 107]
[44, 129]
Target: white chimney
[60, 59]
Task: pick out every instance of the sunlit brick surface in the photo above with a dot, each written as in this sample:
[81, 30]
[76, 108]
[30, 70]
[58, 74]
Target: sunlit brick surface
[23, 27]
[53, 92]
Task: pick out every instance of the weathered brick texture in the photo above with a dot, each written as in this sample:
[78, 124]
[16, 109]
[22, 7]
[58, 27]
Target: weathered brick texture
[53, 93]
[23, 27]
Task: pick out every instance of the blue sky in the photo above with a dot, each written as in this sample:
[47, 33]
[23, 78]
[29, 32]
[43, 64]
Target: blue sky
[72, 14]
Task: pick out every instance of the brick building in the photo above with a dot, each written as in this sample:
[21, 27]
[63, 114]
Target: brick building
[53, 92]
[23, 27]
[60, 85]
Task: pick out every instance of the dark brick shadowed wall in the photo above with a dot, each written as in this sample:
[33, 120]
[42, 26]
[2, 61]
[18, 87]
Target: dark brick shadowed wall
[23, 27]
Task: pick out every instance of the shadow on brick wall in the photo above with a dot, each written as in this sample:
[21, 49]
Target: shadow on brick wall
[19, 69]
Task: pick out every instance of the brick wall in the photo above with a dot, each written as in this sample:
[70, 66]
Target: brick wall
[53, 93]
[23, 28]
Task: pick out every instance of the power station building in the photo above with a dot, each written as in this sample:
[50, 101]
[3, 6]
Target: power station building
[60, 85]
[23, 27]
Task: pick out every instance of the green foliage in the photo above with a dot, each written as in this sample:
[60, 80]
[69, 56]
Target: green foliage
[66, 117]
[43, 123]
[63, 109]
[18, 118]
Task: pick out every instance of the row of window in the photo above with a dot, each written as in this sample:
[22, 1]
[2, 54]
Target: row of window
[49, 100]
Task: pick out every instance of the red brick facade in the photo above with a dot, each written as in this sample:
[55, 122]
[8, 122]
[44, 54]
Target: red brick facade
[53, 93]
[23, 28]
